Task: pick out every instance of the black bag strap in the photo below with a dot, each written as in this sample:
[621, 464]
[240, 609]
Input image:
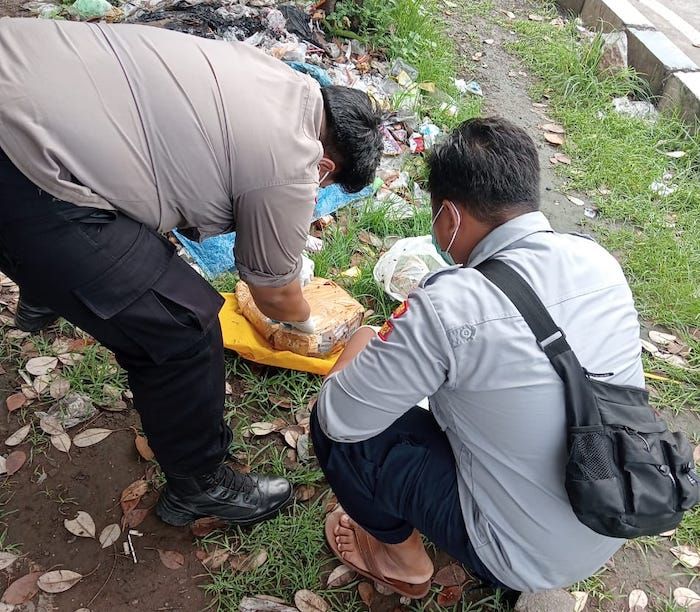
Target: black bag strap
[580, 402]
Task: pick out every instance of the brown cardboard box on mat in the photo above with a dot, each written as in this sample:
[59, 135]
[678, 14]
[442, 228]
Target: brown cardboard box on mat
[336, 314]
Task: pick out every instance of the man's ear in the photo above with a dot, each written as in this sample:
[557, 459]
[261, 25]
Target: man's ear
[452, 213]
[326, 165]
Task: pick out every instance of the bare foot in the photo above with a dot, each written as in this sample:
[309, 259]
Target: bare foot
[406, 561]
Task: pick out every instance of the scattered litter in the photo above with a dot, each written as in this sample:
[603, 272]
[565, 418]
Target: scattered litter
[313, 245]
[416, 143]
[477, 56]
[614, 53]
[637, 109]
[663, 189]
[430, 133]
[575, 200]
[399, 66]
[471, 87]
[489, 41]
[675, 154]
[403, 266]
[70, 410]
[535, 17]
[590, 212]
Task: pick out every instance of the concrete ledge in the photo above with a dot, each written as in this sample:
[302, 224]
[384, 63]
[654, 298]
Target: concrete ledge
[683, 93]
[655, 57]
[672, 76]
[572, 6]
[611, 15]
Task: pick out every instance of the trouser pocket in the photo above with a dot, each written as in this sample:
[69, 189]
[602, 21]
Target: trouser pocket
[154, 298]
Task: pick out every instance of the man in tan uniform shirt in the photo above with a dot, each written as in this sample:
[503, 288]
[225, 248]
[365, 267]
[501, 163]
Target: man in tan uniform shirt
[110, 134]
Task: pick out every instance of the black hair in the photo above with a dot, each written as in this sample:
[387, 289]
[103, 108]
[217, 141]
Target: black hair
[489, 166]
[352, 139]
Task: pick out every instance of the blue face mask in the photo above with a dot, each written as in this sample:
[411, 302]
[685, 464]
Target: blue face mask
[449, 260]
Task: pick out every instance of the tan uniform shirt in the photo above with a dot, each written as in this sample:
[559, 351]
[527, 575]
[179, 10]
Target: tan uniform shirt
[170, 129]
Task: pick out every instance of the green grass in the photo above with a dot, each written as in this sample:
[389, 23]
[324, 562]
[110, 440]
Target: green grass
[657, 238]
[96, 369]
[297, 559]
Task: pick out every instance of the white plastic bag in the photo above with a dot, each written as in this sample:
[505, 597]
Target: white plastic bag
[403, 266]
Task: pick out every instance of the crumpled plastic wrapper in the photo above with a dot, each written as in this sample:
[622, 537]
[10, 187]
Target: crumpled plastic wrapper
[71, 410]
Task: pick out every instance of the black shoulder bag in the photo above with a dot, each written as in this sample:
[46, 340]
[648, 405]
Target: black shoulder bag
[627, 475]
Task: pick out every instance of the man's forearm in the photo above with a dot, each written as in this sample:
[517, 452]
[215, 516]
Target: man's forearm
[359, 340]
[282, 303]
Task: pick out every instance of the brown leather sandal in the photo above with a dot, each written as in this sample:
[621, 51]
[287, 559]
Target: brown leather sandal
[366, 547]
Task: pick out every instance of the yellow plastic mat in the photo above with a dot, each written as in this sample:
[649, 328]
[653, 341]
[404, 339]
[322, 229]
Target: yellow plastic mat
[241, 336]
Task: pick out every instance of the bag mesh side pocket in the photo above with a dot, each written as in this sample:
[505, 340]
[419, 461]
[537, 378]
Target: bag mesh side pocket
[590, 456]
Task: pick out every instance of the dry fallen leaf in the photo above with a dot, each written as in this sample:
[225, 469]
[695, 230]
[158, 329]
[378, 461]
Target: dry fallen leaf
[563, 159]
[686, 598]
[450, 575]
[262, 604]
[172, 559]
[341, 576]
[291, 435]
[555, 139]
[131, 496]
[58, 580]
[366, 591]
[143, 448]
[19, 436]
[110, 535]
[449, 596]
[14, 462]
[15, 401]
[649, 347]
[675, 154]
[304, 492]
[59, 388]
[91, 436]
[661, 338]
[688, 556]
[580, 600]
[82, 525]
[248, 563]
[204, 526]
[22, 589]
[3, 465]
[535, 17]
[42, 383]
[575, 200]
[41, 365]
[553, 127]
[637, 600]
[259, 429]
[668, 534]
[7, 559]
[51, 425]
[61, 442]
[371, 239]
[70, 359]
[216, 559]
[134, 517]
[308, 601]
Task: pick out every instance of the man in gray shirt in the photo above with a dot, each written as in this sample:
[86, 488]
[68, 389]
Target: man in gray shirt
[482, 473]
[110, 134]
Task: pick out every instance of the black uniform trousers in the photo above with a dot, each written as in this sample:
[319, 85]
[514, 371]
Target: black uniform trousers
[122, 283]
[401, 479]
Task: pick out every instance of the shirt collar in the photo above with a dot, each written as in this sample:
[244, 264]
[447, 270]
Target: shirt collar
[506, 234]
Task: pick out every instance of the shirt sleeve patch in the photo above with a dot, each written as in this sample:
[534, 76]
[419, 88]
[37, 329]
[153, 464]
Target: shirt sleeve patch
[400, 311]
[386, 330]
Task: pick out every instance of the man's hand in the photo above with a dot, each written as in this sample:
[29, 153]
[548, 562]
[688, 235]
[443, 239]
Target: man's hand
[285, 303]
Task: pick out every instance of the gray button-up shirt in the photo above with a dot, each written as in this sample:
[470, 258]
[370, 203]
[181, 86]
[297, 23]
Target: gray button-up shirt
[494, 393]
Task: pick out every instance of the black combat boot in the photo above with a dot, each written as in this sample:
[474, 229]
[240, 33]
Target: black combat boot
[241, 499]
[31, 318]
